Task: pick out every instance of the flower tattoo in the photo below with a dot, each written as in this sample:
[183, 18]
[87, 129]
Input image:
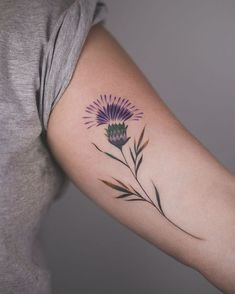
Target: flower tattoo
[114, 112]
[109, 110]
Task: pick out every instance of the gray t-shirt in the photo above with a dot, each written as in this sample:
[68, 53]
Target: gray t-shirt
[40, 44]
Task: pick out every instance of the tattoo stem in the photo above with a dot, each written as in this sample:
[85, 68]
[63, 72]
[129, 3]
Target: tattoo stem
[149, 200]
[138, 180]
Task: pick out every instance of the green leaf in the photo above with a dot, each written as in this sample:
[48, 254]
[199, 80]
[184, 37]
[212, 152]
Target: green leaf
[142, 147]
[135, 148]
[115, 187]
[138, 164]
[114, 157]
[97, 147]
[140, 138]
[110, 155]
[132, 156]
[124, 195]
[158, 199]
[121, 183]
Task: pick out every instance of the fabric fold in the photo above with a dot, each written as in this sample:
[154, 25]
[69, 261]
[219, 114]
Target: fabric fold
[63, 51]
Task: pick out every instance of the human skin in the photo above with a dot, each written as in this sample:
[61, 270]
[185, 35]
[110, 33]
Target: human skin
[196, 193]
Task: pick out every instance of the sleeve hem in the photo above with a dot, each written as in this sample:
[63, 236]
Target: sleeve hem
[63, 52]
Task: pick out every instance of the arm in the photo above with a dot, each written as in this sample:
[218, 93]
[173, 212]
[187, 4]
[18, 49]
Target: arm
[135, 160]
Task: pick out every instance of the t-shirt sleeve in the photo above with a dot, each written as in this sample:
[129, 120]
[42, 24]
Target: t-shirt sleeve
[63, 50]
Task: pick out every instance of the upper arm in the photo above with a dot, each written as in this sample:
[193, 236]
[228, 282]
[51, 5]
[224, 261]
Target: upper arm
[96, 138]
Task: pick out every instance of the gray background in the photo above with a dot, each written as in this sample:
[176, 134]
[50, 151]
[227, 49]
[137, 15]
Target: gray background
[186, 49]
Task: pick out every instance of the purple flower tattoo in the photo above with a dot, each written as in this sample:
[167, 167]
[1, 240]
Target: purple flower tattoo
[111, 110]
[114, 112]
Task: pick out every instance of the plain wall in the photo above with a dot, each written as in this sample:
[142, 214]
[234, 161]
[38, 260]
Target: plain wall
[186, 49]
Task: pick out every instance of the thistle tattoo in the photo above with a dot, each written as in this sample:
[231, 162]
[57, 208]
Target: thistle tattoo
[116, 134]
[114, 112]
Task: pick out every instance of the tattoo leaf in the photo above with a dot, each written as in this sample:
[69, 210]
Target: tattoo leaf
[109, 154]
[121, 183]
[138, 164]
[115, 187]
[158, 198]
[141, 138]
[135, 148]
[132, 156]
[142, 147]
[124, 195]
